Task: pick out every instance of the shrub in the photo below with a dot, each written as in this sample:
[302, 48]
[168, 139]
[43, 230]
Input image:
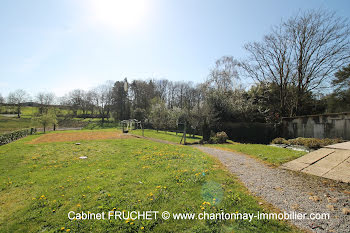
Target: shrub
[213, 140]
[279, 141]
[221, 137]
[313, 143]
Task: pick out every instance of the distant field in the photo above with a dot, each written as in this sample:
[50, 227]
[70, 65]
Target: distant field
[29, 111]
[40, 183]
[8, 124]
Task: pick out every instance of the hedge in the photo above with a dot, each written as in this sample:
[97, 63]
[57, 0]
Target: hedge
[254, 132]
[312, 143]
[10, 137]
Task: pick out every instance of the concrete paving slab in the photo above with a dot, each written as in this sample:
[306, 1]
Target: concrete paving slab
[343, 146]
[331, 163]
[341, 172]
[327, 163]
[295, 165]
[315, 156]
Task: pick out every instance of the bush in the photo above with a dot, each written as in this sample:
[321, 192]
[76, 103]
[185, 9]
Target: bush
[218, 138]
[279, 141]
[221, 137]
[312, 143]
[9, 137]
[213, 140]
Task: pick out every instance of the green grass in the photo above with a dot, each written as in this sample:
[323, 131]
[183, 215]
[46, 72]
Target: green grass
[9, 124]
[41, 183]
[270, 154]
[167, 136]
[96, 123]
[29, 111]
[12, 123]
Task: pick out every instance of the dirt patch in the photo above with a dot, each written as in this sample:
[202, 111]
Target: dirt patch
[77, 136]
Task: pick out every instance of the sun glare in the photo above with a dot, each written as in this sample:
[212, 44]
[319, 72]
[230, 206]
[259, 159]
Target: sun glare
[121, 15]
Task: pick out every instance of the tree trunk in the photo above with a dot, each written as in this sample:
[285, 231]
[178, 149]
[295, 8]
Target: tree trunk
[103, 117]
[18, 111]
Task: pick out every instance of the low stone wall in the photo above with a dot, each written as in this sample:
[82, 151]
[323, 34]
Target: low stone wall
[13, 136]
[333, 125]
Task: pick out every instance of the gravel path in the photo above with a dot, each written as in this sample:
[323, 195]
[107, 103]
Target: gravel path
[290, 191]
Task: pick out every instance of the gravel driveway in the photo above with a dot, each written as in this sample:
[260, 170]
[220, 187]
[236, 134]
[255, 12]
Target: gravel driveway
[290, 191]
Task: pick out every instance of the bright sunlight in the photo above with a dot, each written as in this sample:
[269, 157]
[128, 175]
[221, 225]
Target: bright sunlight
[120, 15]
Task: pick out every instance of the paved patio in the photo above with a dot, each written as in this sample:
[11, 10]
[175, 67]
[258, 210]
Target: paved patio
[332, 162]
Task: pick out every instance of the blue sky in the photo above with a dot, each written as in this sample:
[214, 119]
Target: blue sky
[61, 45]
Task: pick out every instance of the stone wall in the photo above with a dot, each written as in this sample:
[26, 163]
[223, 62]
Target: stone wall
[333, 125]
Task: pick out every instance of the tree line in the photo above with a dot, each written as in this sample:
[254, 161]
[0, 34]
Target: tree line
[301, 67]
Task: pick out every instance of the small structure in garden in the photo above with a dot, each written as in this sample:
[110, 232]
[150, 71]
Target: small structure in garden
[131, 124]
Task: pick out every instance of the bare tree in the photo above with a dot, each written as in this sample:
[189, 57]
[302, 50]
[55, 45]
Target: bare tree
[300, 55]
[17, 98]
[223, 76]
[2, 100]
[90, 97]
[270, 61]
[320, 47]
[162, 87]
[103, 99]
[45, 100]
[75, 99]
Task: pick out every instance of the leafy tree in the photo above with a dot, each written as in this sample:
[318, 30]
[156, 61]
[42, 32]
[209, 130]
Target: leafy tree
[141, 94]
[342, 78]
[159, 115]
[46, 119]
[139, 114]
[339, 100]
[120, 99]
[174, 116]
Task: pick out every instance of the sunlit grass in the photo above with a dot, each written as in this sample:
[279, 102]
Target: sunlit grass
[270, 154]
[166, 135]
[41, 183]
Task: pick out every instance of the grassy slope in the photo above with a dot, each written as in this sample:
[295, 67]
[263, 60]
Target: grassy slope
[40, 184]
[273, 155]
[167, 136]
[8, 124]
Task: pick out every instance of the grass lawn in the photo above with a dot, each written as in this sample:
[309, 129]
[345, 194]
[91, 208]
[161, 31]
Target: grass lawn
[167, 136]
[270, 154]
[40, 183]
[96, 123]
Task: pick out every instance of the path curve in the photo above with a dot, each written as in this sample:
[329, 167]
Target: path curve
[290, 191]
